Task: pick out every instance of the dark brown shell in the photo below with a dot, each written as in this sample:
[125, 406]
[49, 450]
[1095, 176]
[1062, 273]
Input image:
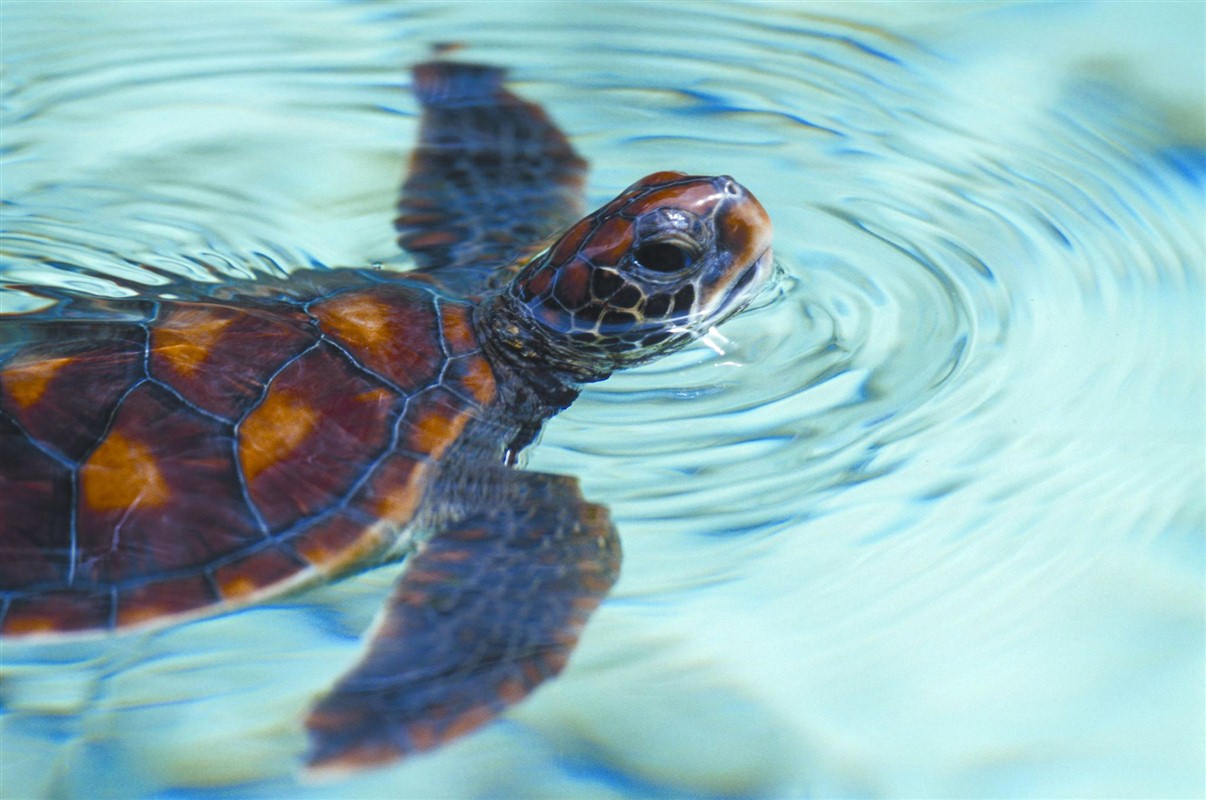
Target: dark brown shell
[221, 450]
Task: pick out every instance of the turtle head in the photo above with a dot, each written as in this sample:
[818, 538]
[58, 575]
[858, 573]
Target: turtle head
[658, 266]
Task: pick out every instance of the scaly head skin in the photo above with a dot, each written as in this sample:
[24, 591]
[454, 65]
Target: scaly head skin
[670, 257]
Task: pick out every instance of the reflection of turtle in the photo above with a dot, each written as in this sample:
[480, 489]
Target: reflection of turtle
[170, 456]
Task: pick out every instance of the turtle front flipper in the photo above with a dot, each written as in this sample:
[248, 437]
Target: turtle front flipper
[485, 611]
[490, 173]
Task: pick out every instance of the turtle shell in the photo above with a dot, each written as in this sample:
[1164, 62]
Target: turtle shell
[194, 455]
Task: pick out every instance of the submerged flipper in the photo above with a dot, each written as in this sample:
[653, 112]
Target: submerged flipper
[490, 175]
[485, 611]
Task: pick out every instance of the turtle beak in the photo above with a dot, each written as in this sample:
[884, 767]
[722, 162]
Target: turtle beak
[744, 232]
[751, 280]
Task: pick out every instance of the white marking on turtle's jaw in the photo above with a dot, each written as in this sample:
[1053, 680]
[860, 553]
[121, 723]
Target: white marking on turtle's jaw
[725, 302]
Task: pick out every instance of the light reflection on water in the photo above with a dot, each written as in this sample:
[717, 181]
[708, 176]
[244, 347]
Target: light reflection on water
[930, 522]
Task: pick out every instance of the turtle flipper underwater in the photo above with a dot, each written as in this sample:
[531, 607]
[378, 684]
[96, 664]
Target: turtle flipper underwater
[486, 611]
[481, 152]
[171, 456]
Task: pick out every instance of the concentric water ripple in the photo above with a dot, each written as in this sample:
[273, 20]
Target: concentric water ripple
[925, 521]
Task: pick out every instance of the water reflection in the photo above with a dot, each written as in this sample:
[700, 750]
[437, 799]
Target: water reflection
[928, 521]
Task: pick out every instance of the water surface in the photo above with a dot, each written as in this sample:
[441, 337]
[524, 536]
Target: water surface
[928, 521]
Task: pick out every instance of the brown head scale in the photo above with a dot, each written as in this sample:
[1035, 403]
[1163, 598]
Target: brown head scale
[670, 257]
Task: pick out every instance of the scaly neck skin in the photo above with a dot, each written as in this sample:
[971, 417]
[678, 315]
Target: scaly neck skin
[538, 358]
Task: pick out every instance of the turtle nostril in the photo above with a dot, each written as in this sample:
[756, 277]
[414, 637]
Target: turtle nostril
[728, 186]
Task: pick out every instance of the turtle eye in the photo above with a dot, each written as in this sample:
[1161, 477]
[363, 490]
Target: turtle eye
[662, 257]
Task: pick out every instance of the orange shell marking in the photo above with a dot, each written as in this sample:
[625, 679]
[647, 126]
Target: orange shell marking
[437, 426]
[479, 379]
[26, 384]
[397, 488]
[28, 626]
[184, 340]
[359, 319]
[274, 431]
[312, 437]
[458, 330]
[160, 599]
[335, 543]
[122, 473]
[392, 330]
[242, 579]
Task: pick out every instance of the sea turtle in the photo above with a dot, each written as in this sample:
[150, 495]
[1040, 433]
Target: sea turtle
[198, 448]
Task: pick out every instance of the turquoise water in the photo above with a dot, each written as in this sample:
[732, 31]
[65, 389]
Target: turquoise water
[927, 522]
